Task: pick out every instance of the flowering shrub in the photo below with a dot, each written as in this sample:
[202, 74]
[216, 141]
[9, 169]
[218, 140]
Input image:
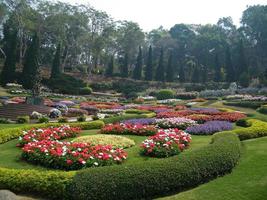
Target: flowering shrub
[143, 121]
[74, 112]
[52, 133]
[180, 107]
[166, 143]
[176, 122]
[111, 111]
[209, 128]
[101, 105]
[42, 146]
[128, 129]
[71, 156]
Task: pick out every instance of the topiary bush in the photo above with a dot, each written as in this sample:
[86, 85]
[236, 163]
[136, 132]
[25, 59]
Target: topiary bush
[23, 119]
[158, 177]
[165, 94]
[63, 120]
[243, 123]
[81, 118]
[262, 109]
[43, 119]
[86, 91]
[246, 104]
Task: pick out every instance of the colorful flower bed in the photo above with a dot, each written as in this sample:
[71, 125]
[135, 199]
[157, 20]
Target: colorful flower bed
[209, 128]
[176, 122]
[101, 105]
[128, 129]
[166, 143]
[41, 146]
[143, 121]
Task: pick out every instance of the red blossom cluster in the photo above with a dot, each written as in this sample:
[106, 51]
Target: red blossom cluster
[128, 129]
[166, 143]
[100, 105]
[153, 108]
[42, 146]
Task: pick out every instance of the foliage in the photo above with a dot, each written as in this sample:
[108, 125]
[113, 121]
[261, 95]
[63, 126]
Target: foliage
[246, 104]
[262, 109]
[165, 143]
[149, 66]
[114, 140]
[171, 174]
[137, 73]
[43, 119]
[85, 91]
[81, 118]
[56, 70]
[160, 72]
[23, 119]
[243, 123]
[165, 94]
[136, 111]
[63, 120]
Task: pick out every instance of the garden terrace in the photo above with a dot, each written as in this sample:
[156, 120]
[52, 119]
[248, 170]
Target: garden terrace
[12, 111]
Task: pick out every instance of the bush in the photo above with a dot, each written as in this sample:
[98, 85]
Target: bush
[43, 183]
[246, 104]
[243, 123]
[158, 177]
[4, 121]
[81, 118]
[187, 95]
[43, 119]
[63, 120]
[102, 86]
[136, 111]
[23, 119]
[165, 94]
[111, 120]
[86, 91]
[129, 86]
[262, 109]
[11, 133]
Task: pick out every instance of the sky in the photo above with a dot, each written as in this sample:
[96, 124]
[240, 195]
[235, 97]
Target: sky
[151, 14]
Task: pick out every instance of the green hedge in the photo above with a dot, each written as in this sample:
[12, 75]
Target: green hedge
[111, 120]
[50, 184]
[262, 109]
[257, 129]
[158, 177]
[136, 111]
[11, 133]
[246, 104]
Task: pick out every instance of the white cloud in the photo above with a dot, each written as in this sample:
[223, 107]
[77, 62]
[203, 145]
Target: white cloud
[153, 13]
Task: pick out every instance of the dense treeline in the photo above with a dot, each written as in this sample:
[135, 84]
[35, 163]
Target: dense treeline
[78, 37]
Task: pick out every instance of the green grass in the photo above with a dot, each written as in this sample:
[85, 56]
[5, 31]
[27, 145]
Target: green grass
[10, 154]
[4, 126]
[248, 181]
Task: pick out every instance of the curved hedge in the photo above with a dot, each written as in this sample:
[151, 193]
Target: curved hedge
[257, 129]
[12, 133]
[159, 177]
[50, 184]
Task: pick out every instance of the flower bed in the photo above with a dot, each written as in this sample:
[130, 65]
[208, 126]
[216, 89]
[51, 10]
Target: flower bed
[128, 129]
[176, 122]
[166, 143]
[41, 146]
[74, 112]
[143, 121]
[209, 128]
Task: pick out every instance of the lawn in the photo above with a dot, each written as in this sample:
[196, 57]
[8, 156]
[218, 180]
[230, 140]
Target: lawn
[10, 154]
[248, 181]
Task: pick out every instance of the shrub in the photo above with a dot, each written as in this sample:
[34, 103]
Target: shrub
[165, 143]
[81, 118]
[161, 176]
[38, 182]
[74, 112]
[165, 94]
[128, 116]
[262, 109]
[243, 123]
[114, 140]
[101, 86]
[43, 119]
[4, 121]
[23, 119]
[187, 95]
[136, 111]
[11, 133]
[63, 120]
[86, 91]
[246, 104]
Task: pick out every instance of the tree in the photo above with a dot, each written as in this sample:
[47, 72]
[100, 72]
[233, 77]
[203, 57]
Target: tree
[160, 73]
[230, 73]
[149, 66]
[242, 66]
[10, 38]
[56, 63]
[170, 71]
[196, 75]
[31, 63]
[137, 73]
[109, 71]
[181, 74]
[124, 69]
[218, 74]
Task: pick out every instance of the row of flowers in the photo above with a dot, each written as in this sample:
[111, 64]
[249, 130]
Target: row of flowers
[42, 146]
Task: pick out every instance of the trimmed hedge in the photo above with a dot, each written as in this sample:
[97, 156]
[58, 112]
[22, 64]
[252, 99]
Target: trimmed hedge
[50, 184]
[246, 104]
[262, 109]
[111, 120]
[136, 111]
[12, 133]
[159, 177]
[257, 129]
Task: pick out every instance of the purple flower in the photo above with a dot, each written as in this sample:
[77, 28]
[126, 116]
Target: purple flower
[143, 121]
[209, 128]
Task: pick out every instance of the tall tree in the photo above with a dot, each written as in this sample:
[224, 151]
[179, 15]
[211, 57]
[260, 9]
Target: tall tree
[149, 66]
[31, 63]
[110, 69]
[137, 73]
[218, 74]
[196, 75]
[160, 73]
[181, 74]
[56, 70]
[170, 70]
[242, 65]
[10, 38]
[230, 73]
[125, 66]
